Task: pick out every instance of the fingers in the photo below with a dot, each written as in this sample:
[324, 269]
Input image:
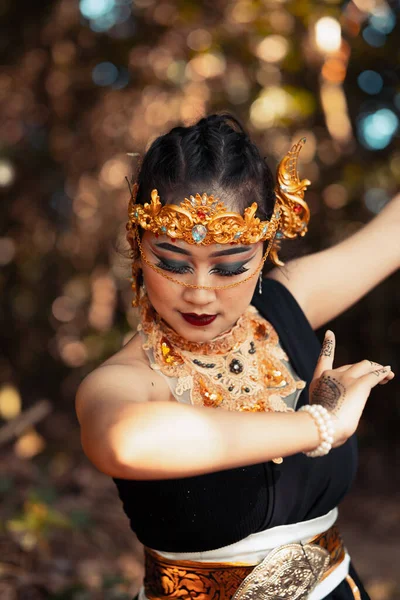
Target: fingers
[325, 360]
[363, 367]
[376, 376]
[367, 363]
[387, 378]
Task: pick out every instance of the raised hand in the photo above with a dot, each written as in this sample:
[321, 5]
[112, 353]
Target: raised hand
[344, 390]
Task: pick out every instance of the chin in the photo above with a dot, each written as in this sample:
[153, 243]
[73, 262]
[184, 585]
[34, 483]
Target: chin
[200, 336]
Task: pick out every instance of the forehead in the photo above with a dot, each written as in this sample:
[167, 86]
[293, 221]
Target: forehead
[181, 248]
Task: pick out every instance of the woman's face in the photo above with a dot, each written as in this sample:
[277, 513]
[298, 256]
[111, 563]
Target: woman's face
[214, 265]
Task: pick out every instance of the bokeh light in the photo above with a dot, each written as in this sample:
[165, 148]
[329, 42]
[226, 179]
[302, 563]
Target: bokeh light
[335, 196]
[377, 129]
[105, 14]
[104, 74]
[335, 108]
[272, 104]
[383, 19]
[63, 309]
[375, 199]
[328, 34]
[273, 48]
[7, 250]
[10, 402]
[114, 171]
[374, 37]
[370, 82]
[29, 444]
[199, 40]
[205, 66]
[93, 9]
[7, 173]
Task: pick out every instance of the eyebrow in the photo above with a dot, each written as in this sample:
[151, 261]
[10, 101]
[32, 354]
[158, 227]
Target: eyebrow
[228, 252]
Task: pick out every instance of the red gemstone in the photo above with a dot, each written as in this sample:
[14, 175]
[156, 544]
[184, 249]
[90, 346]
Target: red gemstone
[201, 214]
[173, 239]
[297, 208]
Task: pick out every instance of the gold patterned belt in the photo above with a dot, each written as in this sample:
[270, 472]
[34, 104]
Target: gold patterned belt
[289, 572]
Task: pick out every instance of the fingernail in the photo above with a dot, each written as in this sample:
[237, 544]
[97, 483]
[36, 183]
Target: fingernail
[327, 332]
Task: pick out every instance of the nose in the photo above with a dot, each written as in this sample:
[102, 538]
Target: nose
[198, 297]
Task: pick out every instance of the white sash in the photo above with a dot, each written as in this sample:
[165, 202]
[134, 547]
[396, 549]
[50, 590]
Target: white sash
[255, 547]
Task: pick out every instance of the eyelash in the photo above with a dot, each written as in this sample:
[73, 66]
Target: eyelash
[183, 270]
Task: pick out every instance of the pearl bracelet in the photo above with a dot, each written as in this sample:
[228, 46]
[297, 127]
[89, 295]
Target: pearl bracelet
[324, 422]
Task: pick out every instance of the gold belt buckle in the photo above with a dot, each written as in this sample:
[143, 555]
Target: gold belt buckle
[289, 572]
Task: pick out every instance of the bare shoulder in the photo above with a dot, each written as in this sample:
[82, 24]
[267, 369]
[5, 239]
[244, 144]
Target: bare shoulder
[109, 394]
[125, 376]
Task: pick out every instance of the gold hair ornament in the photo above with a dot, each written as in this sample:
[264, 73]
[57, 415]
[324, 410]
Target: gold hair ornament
[289, 191]
[201, 220]
[204, 220]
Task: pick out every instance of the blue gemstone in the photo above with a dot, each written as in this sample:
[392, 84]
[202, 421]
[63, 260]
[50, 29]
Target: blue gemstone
[264, 230]
[237, 235]
[279, 235]
[278, 213]
[136, 214]
[199, 232]
[163, 229]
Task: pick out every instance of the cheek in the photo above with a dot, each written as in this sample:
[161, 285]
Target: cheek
[159, 290]
[237, 299]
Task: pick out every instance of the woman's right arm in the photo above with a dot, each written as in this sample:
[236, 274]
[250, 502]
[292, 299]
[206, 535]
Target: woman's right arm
[128, 430]
[126, 434]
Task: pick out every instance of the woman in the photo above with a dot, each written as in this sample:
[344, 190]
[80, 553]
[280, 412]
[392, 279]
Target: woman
[243, 501]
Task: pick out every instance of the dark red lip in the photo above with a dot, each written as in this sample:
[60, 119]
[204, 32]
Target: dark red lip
[198, 320]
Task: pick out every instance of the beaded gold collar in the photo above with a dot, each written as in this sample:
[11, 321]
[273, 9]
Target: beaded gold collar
[241, 369]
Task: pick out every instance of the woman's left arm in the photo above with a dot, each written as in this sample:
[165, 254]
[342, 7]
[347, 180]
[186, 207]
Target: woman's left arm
[326, 283]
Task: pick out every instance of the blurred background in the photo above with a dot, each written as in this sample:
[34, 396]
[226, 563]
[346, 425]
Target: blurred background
[85, 83]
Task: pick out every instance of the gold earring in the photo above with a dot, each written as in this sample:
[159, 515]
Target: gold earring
[136, 281]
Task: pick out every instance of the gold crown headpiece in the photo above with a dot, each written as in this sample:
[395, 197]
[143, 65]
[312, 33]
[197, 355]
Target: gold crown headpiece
[205, 220]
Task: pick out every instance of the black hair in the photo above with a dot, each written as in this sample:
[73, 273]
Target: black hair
[216, 156]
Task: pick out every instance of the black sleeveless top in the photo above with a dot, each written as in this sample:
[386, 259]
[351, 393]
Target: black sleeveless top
[206, 512]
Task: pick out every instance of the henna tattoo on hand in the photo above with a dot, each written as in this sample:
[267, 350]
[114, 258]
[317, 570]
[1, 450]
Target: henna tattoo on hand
[327, 348]
[373, 364]
[329, 392]
[379, 371]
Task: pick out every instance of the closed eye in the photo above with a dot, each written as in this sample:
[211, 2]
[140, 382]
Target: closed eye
[181, 268]
[173, 268]
[229, 273]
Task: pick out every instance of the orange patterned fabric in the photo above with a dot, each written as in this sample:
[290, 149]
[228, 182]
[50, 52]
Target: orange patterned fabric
[167, 579]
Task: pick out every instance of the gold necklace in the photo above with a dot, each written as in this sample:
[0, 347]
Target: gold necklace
[241, 369]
